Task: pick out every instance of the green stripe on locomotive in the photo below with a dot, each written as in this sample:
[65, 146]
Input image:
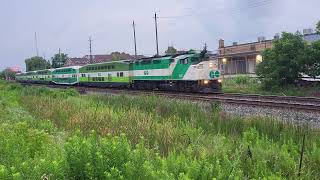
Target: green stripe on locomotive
[67, 75]
[182, 65]
[158, 68]
[156, 63]
[108, 72]
[145, 69]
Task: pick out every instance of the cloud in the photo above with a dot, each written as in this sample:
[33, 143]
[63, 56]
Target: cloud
[184, 23]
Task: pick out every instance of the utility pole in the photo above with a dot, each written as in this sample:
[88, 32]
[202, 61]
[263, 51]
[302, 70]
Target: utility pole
[59, 58]
[36, 43]
[135, 41]
[45, 61]
[90, 46]
[156, 25]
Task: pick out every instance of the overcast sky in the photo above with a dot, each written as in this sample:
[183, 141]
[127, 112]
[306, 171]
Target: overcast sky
[186, 24]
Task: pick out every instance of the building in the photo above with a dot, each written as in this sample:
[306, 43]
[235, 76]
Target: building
[310, 36]
[241, 58]
[14, 69]
[99, 59]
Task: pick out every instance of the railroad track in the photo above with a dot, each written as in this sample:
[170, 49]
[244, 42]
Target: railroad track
[309, 104]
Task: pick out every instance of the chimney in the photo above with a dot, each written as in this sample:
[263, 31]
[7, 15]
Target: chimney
[221, 43]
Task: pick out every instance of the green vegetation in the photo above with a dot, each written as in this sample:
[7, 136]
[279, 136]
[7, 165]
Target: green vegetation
[171, 51]
[37, 63]
[59, 134]
[318, 27]
[58, 60]
[7, 74]
[289, 59]
[248, 85]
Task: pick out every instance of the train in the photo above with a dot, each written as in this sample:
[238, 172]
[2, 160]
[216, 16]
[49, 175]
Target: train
[188, 72]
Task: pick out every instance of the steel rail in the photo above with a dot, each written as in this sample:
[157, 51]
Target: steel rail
[310, 104]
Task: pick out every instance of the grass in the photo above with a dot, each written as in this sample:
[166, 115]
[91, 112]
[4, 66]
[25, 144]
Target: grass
[59, 134]
[247, 85]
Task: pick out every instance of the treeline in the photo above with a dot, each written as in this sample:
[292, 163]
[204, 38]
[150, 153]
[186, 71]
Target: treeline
[7, 74]
[38, 63]
[289, 60]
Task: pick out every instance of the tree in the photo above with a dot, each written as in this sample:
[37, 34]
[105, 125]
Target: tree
[116, 56]
[283, 64]
[311, 65]
[7, 74]
[58, 60]
[318, 28]
[36, 63]
[171, 50]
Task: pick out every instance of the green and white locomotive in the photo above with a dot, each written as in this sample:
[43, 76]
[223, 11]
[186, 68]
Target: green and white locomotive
[189, 72]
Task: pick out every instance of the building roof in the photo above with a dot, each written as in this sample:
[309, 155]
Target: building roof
[100, 59]
[256, 42]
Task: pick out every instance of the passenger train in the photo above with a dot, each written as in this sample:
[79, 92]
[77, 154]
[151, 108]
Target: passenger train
[189, 72]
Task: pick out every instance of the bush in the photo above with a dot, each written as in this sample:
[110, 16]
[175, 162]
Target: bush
[65, 136]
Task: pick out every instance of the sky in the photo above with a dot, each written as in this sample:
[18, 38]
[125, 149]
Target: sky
[185, 24]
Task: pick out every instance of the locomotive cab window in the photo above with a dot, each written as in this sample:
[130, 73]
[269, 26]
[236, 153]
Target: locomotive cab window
[184, 61]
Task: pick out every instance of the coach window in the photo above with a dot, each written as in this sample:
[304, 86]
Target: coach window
[117, 74]
[83, 75]
[121, 74]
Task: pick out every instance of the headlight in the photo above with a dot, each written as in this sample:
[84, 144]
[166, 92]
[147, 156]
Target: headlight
[211, 64]
[220, 80]
[206, 82]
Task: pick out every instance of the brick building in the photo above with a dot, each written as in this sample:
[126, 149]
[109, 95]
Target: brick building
[241, 58]
[99, 59]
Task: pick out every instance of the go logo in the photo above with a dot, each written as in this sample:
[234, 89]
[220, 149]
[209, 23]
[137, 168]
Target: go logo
[214, 74]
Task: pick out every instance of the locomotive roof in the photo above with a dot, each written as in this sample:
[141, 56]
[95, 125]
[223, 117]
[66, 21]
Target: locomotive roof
[166, 56]
[69, 67]
[123, 61]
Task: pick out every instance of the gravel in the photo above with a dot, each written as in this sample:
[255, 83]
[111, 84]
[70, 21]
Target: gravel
[286, 115]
